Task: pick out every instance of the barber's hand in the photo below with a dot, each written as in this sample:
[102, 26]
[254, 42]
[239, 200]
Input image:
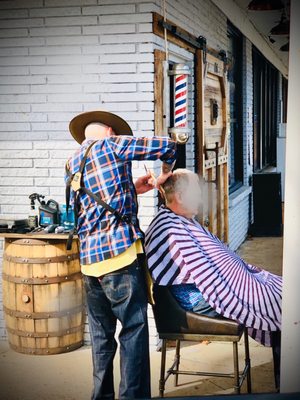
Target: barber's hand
[161, 179]
[143, 184]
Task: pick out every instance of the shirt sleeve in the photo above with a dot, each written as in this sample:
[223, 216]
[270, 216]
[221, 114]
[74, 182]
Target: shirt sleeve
[67, 171]
[130, 148]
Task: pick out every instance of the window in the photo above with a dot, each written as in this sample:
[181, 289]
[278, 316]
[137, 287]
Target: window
[284, 99]
[235, 73]
[265, 112]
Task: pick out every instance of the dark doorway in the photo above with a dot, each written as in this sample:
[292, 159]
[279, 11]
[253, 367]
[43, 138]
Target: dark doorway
[235, 75]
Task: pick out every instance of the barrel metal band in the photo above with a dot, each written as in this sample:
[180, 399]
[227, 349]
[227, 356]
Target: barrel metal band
[45, 334]
[42, 281]
[30, 242]
[49, 350]
[44, 260]
[43, 315]
[51, 240]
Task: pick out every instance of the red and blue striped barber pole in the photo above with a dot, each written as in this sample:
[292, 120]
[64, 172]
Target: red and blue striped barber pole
[180, 131]
[181, 100]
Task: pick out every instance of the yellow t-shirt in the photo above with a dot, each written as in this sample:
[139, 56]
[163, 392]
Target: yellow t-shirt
[115, 263]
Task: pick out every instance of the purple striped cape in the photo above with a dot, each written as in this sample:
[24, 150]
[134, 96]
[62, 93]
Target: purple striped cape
[180, 250]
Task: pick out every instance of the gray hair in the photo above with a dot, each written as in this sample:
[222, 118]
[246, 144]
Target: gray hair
[179, 181]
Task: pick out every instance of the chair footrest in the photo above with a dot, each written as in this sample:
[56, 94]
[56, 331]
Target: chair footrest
[199, 337]
[200, 373]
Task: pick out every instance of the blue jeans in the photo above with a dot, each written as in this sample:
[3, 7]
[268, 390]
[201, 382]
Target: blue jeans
[120, 295]
[204, 308]
[191, 299]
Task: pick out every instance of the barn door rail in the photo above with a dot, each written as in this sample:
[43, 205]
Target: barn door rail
[198, 43]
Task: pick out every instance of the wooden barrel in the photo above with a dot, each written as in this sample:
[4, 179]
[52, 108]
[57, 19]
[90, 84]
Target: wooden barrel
[42, 295]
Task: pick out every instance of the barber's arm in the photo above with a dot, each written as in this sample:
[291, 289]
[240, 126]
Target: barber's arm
[153, 148]
[130, 148]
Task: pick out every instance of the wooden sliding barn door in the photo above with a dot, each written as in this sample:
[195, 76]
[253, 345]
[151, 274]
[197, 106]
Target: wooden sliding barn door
[211, 141]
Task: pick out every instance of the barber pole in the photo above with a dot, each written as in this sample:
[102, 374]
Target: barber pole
[180, 100]
[180, 131]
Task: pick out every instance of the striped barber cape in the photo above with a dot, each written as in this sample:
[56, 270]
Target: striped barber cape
[180, 250]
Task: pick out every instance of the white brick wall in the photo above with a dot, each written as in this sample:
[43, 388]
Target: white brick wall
[239, 204]
[59, 58]
[238, 223]
[62, 57]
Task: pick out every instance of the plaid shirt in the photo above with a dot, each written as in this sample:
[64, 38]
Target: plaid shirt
[187, 295]
[108, 174]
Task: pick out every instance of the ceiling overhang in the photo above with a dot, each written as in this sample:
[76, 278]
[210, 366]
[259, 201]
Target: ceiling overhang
[256, 26]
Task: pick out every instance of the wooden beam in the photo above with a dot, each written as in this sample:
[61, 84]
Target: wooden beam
[224, 114]
[159, 58]
[199, 108]
[226, 205]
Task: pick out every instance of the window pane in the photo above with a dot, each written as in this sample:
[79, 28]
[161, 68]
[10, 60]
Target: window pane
[235, 71]
[265, 111]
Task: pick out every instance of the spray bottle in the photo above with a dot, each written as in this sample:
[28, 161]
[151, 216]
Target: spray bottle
[33, 218]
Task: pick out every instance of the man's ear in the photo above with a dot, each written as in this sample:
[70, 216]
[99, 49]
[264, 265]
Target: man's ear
[178, 197]
[109, 131]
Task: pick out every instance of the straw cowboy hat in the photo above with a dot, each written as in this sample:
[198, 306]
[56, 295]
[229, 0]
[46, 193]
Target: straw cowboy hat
[80, 122]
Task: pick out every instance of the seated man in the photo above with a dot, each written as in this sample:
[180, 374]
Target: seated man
[203, 274]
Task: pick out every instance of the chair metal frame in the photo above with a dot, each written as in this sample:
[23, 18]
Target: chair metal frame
[174, 369]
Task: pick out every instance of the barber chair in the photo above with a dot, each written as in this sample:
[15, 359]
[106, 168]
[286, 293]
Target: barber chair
[175, 323]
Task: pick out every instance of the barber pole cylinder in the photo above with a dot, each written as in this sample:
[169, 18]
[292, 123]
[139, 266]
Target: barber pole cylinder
[180, 131]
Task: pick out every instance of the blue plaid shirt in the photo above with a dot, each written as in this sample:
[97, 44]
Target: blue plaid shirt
[187, 295]
[108, 174]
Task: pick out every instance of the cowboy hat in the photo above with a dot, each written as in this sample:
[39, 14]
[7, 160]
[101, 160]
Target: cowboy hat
[80, 122]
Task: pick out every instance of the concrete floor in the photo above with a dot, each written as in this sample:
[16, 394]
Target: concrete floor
[69, 376]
